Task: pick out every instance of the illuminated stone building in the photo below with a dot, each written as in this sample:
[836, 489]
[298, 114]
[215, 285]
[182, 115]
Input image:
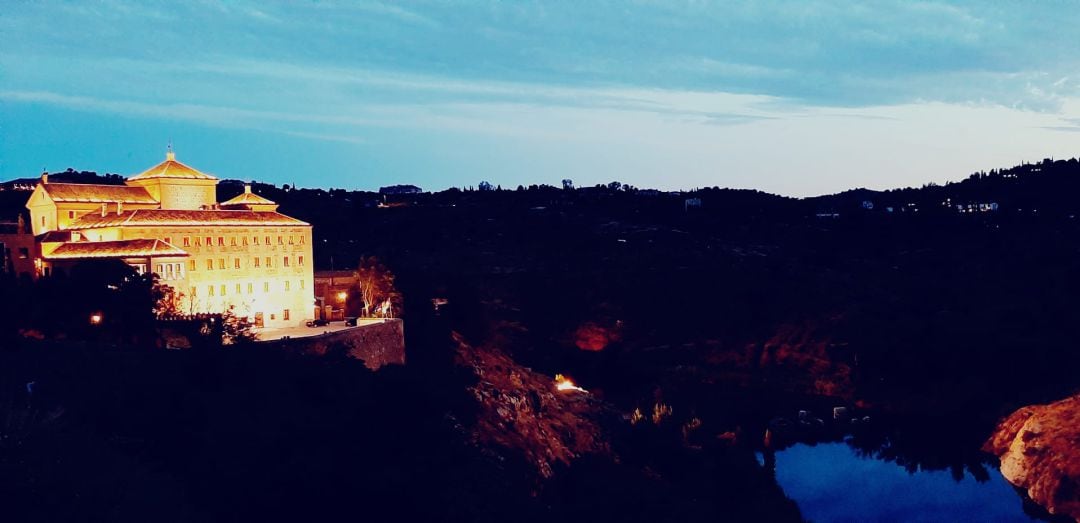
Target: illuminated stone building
[240, 253]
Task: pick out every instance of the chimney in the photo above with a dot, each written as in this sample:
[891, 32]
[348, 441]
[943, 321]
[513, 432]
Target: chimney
[45, 177]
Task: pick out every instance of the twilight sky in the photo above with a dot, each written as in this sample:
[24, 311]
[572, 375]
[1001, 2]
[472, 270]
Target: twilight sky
[798, 98]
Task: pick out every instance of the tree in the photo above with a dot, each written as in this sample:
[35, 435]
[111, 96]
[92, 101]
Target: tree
[374, 293]
[568, 184]
[484, 186]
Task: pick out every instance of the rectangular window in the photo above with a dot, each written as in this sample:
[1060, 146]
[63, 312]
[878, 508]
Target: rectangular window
[24, 253]
[266, 286]
[292, 240]
[187, 241]
[268, 240]
[211, 290]
[269, 262]
[209, 241]
[221, 241]
[300, 260]
[301, 284]
[251, 288]
[232, 241]
[286, 284]
[193, 293]
[285, 315]
[285, 261]
[280, 241]
[191, 265]
[238, 288]
[302, 239]
[222, 289]
[236, 263]
[198, 242]
[255, 240]
[258, 262]
[245, 240]
[209, 264]
[221, 263]
[71, 215]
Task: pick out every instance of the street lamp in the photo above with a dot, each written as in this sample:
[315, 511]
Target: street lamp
[95, 318]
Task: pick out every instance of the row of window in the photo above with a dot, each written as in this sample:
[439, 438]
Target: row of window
[188, 241]
[257, 262]
[222, 290]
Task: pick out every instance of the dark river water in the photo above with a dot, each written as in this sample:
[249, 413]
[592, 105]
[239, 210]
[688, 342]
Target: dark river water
[831, 482]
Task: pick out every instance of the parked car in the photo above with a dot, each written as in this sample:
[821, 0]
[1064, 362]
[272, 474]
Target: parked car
[317, 323]
[351, 322]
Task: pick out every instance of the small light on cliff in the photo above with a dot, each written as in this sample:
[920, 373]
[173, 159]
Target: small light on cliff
[562, 384]
[95, 318]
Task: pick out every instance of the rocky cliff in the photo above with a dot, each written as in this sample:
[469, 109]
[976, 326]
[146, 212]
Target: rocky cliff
[1039, 448]
[524, 411]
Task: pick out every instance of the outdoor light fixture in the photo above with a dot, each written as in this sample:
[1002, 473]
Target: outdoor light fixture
[95, 318]
[342, 295]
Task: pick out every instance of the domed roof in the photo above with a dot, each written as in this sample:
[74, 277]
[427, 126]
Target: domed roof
[248, 198]
[171, 168]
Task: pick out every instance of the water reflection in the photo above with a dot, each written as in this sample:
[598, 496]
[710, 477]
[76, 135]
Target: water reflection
[838, 482]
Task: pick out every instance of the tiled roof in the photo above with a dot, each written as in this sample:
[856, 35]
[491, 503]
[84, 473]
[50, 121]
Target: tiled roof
[249, 198]
[181, 218]
[171, 168]
[114, 249]
[93, 193]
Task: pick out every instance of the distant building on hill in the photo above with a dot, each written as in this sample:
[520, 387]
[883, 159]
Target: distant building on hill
[240, 254]
[394, 190]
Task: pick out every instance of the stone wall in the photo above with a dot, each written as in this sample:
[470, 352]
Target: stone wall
[376, 344]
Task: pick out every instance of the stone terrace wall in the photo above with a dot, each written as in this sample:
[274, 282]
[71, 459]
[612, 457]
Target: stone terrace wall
[377, 344]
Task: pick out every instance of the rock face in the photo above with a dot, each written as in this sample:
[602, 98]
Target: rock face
[1039, 448]
[522, 410]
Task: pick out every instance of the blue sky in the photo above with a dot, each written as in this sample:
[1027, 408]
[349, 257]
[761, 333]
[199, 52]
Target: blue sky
[798, 98]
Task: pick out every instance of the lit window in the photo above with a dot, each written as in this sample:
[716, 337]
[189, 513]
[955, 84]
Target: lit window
[251, 288]
[220, 241]
[238, 288]
[198, 242]
[285, 314]
[222, 289]
[300, 260]
[292, 240]
[209, 241]
[257, 262]
[187, 241]
[191, 265]
[221, 263]
[302, 239]
[236, 263]
[211, 288]
[269, 262]
[255, 240]
[209, 265]
[232, 241]
[301, 284]
[286, 285]
[71, 215]
[280, 241]
[268, 240]
[285, 261]
[245, 240]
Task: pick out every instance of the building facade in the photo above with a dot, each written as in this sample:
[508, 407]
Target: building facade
[240, 254]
